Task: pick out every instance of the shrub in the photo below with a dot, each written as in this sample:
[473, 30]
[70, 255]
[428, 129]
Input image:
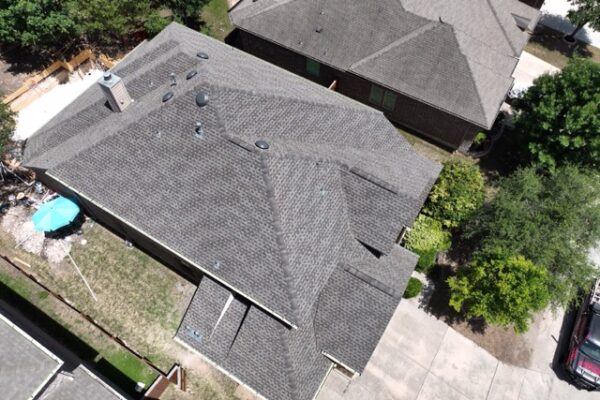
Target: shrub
[427, 238]
[457, 194]
[413, 288]
[479, 138]
[503, 289]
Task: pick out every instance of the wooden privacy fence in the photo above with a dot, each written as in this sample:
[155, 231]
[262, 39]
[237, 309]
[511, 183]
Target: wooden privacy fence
[56, 66]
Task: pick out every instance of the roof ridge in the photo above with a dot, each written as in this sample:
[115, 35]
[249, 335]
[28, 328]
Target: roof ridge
[411, 35]
[289, 365]
[276, 222]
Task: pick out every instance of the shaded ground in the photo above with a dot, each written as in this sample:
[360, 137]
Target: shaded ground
[11, 80]
[548, 45]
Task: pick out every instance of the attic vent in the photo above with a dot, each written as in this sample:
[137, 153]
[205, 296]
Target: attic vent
[202, 99]
[202, 55]
[199, 132]
[167, 96]
[173, 79]
[191, 74]
[262, 144]
[115, 91]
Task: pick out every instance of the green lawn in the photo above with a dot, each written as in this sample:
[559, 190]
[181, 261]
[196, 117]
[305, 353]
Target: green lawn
[214, 19]
[74, 332]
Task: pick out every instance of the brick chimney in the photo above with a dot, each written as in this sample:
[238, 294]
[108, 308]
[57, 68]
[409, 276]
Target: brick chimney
[115, 91]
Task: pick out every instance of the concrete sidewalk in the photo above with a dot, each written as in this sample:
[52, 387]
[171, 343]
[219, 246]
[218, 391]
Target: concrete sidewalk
[528, 68]
[421, 358]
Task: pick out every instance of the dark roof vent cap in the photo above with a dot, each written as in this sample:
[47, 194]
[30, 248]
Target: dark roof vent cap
[202, 55]
[202, 99]
[191, 74]
[262, 144]
[167, 96]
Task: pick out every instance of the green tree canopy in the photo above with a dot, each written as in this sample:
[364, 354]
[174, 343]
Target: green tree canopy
[504, 289]
[458, 192]
[551, 220]
[7, 126]
[35, 24]
[584, 12]
[559, 117]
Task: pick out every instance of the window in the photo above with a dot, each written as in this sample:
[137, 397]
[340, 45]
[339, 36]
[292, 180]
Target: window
[382, 98]
[389, 100]
[376, 95]
[313, 67]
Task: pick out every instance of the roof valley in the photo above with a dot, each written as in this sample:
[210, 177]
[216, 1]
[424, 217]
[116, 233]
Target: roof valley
[279, 239]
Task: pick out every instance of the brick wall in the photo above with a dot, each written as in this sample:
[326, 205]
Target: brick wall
[441, 127]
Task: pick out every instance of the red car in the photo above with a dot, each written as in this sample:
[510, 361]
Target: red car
[583, 359]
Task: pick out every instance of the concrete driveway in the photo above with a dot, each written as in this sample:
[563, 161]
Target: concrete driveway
[421, 358]
[528, 68]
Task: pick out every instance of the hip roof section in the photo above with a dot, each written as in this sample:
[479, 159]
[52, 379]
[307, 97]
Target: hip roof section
[457, 56]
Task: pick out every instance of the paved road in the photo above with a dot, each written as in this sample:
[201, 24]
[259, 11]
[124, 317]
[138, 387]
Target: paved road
[421, 358]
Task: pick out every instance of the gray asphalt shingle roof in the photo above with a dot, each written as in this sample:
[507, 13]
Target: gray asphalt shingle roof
[268, 227]
[454, 55]
[24, 364]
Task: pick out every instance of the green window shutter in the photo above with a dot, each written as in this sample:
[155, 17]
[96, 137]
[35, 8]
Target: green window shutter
[376, 95]
[389, 100]
[313, 67]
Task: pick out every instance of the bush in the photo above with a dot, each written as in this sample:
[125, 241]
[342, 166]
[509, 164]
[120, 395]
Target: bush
[503, 289]
[427, 238]
[479, 138]
[413, 288]
[457, 194]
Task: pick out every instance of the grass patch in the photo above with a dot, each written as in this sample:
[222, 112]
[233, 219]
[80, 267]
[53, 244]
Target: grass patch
[548, 45]
[215, 20]
[131, 366]
[74, 333]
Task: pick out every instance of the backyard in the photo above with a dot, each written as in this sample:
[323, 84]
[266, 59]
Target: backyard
[139, 300]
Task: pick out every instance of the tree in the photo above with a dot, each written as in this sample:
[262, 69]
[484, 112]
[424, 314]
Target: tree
[558, 117]
[37, 25]
[504, 289]
[427, 238]
[583, 12]
[551, 220]
[184, 8]
[104, 21]
[7, 126]
[458, 192]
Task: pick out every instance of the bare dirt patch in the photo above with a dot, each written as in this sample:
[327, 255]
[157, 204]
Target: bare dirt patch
[502, 343]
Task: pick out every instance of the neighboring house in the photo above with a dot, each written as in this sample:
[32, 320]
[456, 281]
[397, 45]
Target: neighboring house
[442, 68]
[29, 370]
[282, 200]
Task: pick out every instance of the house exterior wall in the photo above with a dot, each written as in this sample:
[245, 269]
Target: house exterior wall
[125, 231]
[439, 126]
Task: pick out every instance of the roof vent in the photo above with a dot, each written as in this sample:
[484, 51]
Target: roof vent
[173, 79]
[202, 99]
[157, 133]
[202, 55]
[217, 264]
[319, 29]
[199, 131]
[115, 91]
[167, 96]
[191, 74]
[262, 144]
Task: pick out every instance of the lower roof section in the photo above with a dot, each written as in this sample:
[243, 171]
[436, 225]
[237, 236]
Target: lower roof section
[284, 363]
